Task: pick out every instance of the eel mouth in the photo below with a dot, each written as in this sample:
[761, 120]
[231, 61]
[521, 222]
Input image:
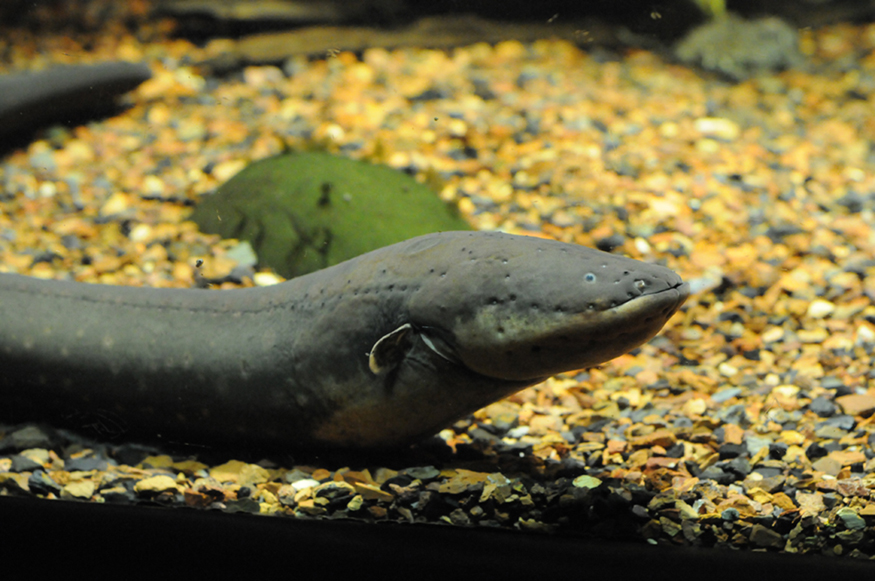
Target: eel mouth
[520, 349]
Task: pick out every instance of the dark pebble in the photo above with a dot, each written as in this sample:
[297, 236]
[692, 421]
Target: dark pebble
[608, 243]
[430, 504]
[729, 451]
[726, 394]
[338, 502]
[240, 272]
[830, 500]
[675, 451]
[764, 537]
[815, 451]
[481, 436]
[841, 421]
[768, 471]
[596, 426]
[778, 450]
[132, 454]
[25, 438]
[716, 474]
[638, 416]
[85, 464]
[431, 94]
[692, 468]
[836, 384]
[569, 467]
[119, 495]
[832, 447]
[24, 464]
[822, 407]
[491, 428]
[853, 201]
[735, 414]
[640, 511]
[247, 505]
[739, 467]
[682, 422]
[40, 483]
[424, 473]
[459, 518]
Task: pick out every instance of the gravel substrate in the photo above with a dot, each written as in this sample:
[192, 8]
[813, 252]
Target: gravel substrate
[746, 423]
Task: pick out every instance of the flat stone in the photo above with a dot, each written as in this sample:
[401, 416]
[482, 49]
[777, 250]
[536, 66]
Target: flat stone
[850, 518]
[764, 537]
[155, 485]
[857, 404]
[41, 483]
[756, 443]
[24, 464]
[822, 407]
[240, 473]
[333, 490]
[424, 473]
[27, 437]
[82, 489]
[371, 492]
[830, 433]
[848, 457]
[662, 438]
[841, 421]
[827, 465]
[726, 394]
[810, 503]
[587, 482]
[85, 464]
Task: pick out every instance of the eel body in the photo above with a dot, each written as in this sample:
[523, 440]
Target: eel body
[30, 100]
[377, 351]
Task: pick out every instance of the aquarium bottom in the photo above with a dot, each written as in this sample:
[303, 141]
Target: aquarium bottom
[68, 532]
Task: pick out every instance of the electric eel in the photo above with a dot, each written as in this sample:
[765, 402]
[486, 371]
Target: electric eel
[29, 100]
[378, 351]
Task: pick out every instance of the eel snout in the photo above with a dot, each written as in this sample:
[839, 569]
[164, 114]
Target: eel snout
[534, 308]
[562, 342]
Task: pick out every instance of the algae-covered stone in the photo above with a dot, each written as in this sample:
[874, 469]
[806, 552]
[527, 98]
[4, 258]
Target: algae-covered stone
[306, 211]
[739, 48]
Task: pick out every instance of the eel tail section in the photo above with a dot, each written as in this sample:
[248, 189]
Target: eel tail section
[32, 99]
[377, 351]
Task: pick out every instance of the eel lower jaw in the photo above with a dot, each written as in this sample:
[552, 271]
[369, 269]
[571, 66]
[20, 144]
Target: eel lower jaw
[577, 341]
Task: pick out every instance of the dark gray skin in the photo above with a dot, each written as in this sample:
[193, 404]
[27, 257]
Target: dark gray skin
[378, 351]
[33, 99]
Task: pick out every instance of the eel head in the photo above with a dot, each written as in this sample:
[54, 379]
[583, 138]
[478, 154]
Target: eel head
[484, 315]
[520, 308]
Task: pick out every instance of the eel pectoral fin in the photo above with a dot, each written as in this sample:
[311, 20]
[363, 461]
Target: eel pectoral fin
[390, 349]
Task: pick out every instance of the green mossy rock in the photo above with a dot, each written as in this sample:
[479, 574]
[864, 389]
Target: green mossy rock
[303, 212]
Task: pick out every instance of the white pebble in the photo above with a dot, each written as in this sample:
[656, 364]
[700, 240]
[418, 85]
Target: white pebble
[772, 334]
[265, 279]
[718, 127]
[865, 334]
[140, 233]
[820, 308]
[727, 370]
[305, 483]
